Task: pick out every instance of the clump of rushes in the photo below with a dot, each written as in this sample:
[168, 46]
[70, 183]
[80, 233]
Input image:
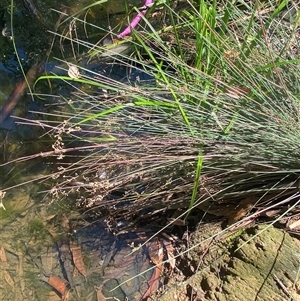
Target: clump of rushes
[217, 128]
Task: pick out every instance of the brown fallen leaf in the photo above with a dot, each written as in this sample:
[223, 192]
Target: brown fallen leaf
[77, 258]
[170, 253]
[241, 210]
[100, 296]
[156, 252]
[8, 279]
[293, 224]
[66, 296]
[52, 232]
[3, 257]
[50, 217]
[153, 283]
[58, 284]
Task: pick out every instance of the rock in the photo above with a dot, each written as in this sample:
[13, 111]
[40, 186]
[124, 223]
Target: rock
[259, 263]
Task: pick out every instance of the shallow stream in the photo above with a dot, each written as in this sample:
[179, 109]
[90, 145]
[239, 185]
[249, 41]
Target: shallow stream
[48, 251]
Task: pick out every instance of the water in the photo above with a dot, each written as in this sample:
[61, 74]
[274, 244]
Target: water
[34, 227]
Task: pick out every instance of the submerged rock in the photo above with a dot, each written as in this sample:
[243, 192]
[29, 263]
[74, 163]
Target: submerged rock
[112, 268]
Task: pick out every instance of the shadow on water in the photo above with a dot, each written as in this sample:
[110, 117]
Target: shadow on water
[48, 251]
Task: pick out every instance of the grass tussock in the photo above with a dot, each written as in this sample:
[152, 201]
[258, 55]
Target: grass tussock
[214, 125]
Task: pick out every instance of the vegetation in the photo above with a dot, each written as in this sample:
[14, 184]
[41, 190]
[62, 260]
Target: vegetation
[215, 126]
[199, 110]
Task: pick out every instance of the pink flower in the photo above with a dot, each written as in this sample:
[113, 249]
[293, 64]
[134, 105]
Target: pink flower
[136, 20]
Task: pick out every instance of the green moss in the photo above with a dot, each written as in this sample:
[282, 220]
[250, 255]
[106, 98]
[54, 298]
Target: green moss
[9, 213]
[41, 289]
[231, 239]
[37, 229]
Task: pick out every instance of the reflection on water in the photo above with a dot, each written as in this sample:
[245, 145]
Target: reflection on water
[37, 244]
